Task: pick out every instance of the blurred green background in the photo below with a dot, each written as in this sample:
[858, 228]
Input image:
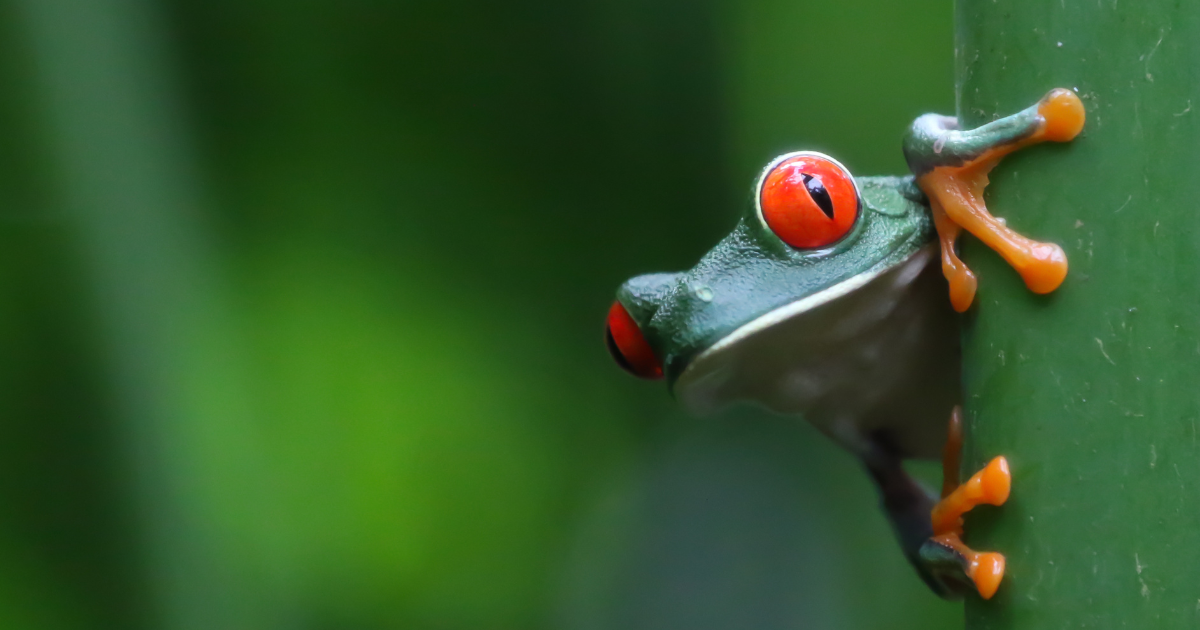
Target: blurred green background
[301, 310]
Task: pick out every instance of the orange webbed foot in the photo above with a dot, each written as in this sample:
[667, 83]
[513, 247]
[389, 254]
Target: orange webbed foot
[990, 486]
[955, 191]
[949, 558]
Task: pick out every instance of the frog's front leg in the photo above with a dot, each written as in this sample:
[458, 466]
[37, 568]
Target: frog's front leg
[952, 165]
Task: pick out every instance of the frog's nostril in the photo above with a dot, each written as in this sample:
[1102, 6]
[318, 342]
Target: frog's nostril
[628, 346]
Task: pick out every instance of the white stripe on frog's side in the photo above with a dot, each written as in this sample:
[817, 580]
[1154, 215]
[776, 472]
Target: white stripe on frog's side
[920, 257]
[876, 351]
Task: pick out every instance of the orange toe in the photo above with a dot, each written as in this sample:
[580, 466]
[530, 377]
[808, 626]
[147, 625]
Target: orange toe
[1045, 268]
[996, 482]
[1064, 115]
[989, 571]
[963, 285]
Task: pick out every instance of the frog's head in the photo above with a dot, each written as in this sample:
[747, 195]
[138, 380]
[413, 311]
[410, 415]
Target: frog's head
[800, 275]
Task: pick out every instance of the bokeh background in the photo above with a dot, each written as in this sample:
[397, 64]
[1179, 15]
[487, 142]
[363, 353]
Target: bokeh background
[301, 309]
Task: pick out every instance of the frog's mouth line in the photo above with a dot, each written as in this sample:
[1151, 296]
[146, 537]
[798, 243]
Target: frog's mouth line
[911, 267]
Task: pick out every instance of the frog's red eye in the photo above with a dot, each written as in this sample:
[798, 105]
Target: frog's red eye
[628, 346]
[809, 201]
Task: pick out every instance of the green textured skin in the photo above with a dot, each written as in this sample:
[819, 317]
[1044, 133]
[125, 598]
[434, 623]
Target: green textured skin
[752, 272]
[1090, 392]
[957, 147]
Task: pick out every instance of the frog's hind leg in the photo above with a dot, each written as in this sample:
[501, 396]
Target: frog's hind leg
[952, 165]
[930, 532]
[946, 556]
[908, 506]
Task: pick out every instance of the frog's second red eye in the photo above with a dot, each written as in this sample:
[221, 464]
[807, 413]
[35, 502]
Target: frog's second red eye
[809, 201]
[628, 346]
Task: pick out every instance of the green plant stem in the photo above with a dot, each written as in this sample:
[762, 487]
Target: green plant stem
[1091, 392]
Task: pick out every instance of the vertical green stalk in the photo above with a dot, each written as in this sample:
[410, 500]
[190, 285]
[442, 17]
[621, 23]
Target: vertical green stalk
[1091, 392]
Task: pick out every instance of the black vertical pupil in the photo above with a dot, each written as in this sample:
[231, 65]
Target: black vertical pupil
[816, 190]
[616, 352]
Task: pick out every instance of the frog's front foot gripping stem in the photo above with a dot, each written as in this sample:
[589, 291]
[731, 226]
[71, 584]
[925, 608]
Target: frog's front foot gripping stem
[952, 565]
[952, 165]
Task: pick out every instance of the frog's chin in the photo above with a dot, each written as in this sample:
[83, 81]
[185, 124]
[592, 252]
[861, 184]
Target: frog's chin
[846, 347]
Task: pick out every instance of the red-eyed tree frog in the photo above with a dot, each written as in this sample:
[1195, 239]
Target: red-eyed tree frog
[826, 302]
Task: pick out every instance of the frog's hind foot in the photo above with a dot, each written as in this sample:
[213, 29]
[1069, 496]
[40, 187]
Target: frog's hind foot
[947, 558]
[990, 486]
[952, 165]
[955, 569]
[931, 534]
[951, 566]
